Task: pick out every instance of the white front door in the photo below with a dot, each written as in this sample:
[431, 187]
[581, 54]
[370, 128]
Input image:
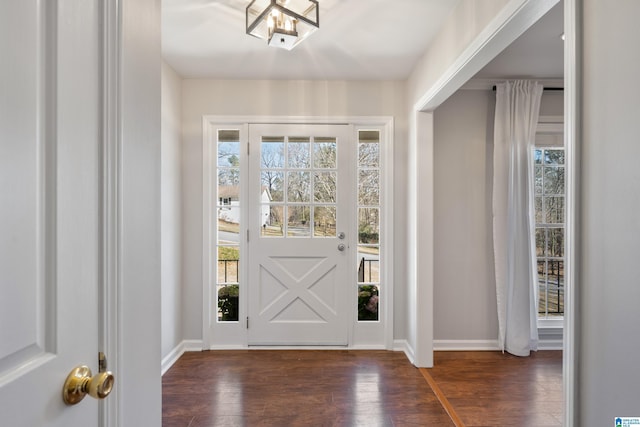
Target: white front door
[49, 207]
[300, 233]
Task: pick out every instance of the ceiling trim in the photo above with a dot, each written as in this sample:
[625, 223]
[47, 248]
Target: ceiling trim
[514, 19]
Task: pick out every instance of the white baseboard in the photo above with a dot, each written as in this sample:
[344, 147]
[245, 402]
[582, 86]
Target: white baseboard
[465, 345]
[179, 350]
[403, 345]
[229, 347]
[547, 340]
[368, 347]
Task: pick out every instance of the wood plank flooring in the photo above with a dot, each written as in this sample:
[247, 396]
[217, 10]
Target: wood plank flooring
[489, 388]
[359, 388]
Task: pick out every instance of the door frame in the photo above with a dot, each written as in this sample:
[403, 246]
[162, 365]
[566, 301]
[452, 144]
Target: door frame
[515, 18]
[129, 211]
[234, 335]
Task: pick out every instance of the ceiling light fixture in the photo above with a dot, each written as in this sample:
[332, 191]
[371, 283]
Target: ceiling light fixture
[283, 23]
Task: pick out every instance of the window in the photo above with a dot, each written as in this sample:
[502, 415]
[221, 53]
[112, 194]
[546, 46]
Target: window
[368, 225]
[549, 168]
[228, 225]
[299, 181]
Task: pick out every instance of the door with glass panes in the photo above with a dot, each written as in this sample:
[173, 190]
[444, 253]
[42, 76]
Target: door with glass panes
[300, 234]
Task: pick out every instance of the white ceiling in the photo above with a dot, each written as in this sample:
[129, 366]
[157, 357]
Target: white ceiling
[357, 40]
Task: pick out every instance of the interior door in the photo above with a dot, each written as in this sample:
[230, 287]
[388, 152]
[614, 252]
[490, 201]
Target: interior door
[49, 204]
[301, 186]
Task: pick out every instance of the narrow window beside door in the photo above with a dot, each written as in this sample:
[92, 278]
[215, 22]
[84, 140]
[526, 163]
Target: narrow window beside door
[228, 225]
[368, 225]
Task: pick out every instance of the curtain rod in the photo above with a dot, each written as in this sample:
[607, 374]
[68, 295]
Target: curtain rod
[546, 88]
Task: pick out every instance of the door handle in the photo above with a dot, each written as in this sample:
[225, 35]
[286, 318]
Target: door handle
[81, 382]
[341, 247]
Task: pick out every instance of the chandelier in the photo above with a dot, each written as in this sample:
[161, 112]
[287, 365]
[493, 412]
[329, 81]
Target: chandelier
[283, 23]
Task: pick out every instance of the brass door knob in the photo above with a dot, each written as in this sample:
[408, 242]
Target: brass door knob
[81, 382]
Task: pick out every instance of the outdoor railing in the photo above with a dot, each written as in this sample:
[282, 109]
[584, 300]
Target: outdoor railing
[228, 270]
[551, 300]
[365, 268]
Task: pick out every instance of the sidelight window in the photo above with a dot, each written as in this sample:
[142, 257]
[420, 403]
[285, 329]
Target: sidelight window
[228, 225]
[368, 214]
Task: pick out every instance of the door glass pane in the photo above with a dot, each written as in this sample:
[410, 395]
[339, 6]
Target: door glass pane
[298, 223]
[368, 154]
[298, 187]
[368, 264]
[325, 154]
[272, 186]
[368, 187]
[272, 152]
[229, 177]
[324, 221]
[272, 220]
[368, 225]
[368, 302]
[229, 154]
[228, 259]
[298, 153]
[228, 303]
[324, 187]
[301, 192]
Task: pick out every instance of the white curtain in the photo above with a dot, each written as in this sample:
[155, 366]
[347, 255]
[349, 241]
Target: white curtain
[516, 118]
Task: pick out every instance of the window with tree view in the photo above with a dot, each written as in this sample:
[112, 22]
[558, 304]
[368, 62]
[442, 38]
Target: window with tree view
[228, 225]
[549, 167]
[299, 181]
[368, 225]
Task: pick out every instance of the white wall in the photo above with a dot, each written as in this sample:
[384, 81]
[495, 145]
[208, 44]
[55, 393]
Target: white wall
[170, 213]
[464, 285]
[608, 282]
[464, 282]
[280, 98]
[466, 22]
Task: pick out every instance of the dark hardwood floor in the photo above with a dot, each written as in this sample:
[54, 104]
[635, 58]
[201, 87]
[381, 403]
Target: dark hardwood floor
[489, 388]
[360, 388]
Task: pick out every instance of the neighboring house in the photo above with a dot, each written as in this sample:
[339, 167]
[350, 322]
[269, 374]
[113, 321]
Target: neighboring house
[229, 204]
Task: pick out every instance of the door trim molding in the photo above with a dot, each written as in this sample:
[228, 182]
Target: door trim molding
[110, 205]
[386, 123]
[572, 114]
